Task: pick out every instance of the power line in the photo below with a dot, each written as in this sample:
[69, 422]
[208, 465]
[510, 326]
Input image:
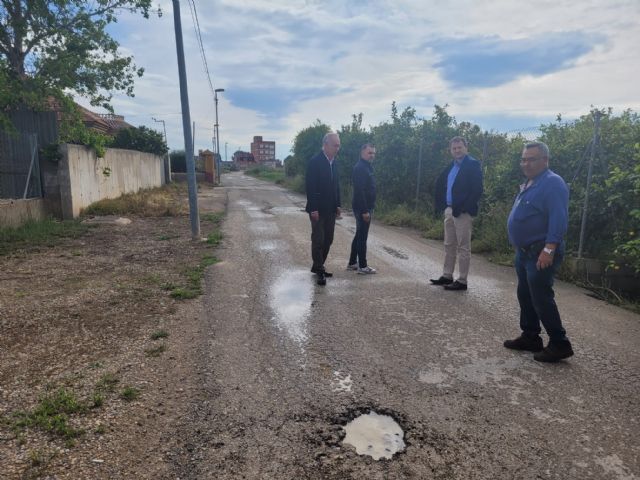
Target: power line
[196, 27]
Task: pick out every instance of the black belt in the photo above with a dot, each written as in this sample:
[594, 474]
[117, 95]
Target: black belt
[534, 247]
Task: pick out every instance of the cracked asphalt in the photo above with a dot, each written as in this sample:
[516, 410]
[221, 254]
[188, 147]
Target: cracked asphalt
[285, 364]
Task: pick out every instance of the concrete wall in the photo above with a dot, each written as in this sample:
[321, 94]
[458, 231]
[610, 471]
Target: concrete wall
[84, 178]
[14, 213]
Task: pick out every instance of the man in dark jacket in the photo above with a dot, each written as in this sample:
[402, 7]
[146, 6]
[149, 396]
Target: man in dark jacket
[362, 204]
[323, 202]
[458, 190]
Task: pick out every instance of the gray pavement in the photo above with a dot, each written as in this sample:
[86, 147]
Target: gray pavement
[288, 363]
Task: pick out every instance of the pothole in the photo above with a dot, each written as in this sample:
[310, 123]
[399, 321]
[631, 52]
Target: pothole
[378, 436]
[395, 253]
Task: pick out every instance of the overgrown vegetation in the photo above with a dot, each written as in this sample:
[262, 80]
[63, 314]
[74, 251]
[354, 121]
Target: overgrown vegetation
[411, 152]
[32, 234]
[154, 202]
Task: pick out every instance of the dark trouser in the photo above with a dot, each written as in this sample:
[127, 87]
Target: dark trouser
[359, 243]
[322, 238]
[535, 294]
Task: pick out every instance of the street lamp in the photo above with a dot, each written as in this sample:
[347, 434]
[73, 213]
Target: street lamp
[215, 97]
[167, 163]
[225, 152]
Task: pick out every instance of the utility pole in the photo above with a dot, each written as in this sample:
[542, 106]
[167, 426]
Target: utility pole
[167, 164]
[186, 127]
[585, 207]
[215, 97]
[419, 173]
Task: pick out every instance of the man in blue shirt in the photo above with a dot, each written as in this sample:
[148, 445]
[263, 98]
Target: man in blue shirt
[457, 192]
[537, 224]
[362, 204]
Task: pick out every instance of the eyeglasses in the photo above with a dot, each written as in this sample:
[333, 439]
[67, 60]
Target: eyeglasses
[529, 159]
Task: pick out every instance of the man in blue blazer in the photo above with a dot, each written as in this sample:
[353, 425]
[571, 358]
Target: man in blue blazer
[458, 191]
[323, 202]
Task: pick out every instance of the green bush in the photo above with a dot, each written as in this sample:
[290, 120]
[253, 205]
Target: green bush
[141, 139]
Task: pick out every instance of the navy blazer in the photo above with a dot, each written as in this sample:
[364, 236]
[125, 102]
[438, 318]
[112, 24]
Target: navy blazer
[364, 187]
[322, 185]
[466, 190]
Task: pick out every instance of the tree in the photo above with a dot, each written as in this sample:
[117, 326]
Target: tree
[60, 48]
[306, 144]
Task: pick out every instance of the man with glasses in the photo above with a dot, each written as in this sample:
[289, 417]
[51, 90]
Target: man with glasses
[537, 224]
[458, 191]
[323, 202]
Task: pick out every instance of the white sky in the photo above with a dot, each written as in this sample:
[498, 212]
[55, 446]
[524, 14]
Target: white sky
[504, 64]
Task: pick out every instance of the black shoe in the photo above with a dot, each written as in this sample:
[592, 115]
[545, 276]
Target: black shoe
[456, 286]
[525, 342]
[321, 279]
[318, 270]
[555, 351]
[441, 281]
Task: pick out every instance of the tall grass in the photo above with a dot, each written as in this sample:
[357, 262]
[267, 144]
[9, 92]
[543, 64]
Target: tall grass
[154, 202]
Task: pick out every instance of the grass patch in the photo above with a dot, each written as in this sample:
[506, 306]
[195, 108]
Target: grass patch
[213, 217]
[165, 201]
[107, 383]
[159, 334]
[155, 351]
[404, 216]
[52, 414]
[129, 394]
[194, 276]
[43, 233]
[267, 173]
[214, 238]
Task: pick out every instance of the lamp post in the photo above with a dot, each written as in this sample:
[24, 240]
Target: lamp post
[167, 163]
[215, 97]
[225, 152]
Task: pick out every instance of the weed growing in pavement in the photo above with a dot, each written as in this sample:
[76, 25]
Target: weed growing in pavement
[129, 394]
[155, 351]
[100, 429]
[52, 414]
[159, 334]
[42, 233]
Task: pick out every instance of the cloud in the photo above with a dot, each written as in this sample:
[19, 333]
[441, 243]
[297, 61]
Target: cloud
[285, 63]
[492, 61]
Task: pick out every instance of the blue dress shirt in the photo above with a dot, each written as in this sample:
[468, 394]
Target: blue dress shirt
[540, 212]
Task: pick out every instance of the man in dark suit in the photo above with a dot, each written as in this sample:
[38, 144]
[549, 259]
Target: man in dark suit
[458, 190]
[323, 202]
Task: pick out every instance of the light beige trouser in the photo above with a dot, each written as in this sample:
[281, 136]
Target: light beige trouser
[457, 241]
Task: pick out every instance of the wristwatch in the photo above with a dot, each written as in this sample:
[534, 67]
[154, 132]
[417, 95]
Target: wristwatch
[548, 251]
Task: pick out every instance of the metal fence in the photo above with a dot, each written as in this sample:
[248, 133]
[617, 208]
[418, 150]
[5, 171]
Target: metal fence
[20, 152]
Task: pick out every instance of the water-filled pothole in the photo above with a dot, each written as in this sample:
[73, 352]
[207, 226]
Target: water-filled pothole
[378, 436]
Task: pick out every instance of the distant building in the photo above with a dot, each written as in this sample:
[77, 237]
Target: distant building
[263, 151]
[243, 160]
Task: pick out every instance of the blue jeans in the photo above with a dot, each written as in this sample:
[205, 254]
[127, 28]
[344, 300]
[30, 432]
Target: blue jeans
[535, 294]
[359, 242]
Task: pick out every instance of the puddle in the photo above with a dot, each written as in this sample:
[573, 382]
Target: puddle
[267, 246]
[290, 300]
[378, 436]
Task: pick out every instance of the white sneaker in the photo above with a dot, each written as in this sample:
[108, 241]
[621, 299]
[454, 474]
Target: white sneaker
[366, 271]
[352, 266]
